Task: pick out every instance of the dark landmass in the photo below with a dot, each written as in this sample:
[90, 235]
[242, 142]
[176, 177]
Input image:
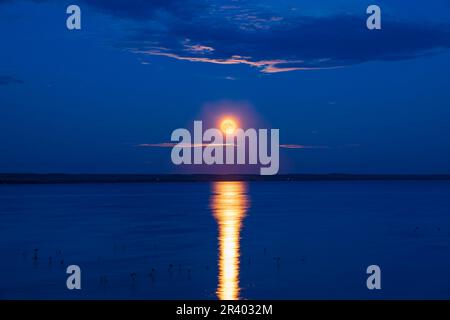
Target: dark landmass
[8, 178]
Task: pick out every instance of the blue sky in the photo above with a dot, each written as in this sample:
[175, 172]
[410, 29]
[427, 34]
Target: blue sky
[362, 101]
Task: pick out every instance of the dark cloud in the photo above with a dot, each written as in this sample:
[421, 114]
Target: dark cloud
[137, 9]
[147, 9]
[295, 43]
[243, 32]
[5, 80]
[36, 1]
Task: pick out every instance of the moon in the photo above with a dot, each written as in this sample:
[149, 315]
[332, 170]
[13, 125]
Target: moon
[228, 126]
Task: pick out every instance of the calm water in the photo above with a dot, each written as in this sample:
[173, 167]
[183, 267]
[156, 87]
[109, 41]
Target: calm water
[229, 240]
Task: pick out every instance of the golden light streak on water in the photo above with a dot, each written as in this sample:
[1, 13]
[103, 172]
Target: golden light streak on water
[229, 204]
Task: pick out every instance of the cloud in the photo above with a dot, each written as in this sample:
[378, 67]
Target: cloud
[198, 49]
[35, 1]
[5, 80]
[157, 145]
[183, 145]
[187, 145]
[289, 44]
[266, 66]
[141, 10]
[301, 146]
[147, 9]
[267, 36]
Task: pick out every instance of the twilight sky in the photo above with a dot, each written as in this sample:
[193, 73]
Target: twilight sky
[359, 101]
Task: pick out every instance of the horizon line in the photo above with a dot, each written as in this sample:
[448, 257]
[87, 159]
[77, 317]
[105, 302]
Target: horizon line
[90, 178]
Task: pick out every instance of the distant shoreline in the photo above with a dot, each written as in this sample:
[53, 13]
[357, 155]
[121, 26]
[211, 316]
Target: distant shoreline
[11, 178]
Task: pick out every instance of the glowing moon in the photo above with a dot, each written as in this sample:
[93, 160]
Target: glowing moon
[228, 126]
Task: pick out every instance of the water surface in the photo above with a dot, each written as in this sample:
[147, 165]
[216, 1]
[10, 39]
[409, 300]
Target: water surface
[226, 240]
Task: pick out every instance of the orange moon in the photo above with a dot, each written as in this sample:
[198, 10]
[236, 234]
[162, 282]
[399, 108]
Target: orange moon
[228, 126]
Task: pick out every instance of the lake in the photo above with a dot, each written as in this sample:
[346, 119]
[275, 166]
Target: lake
[226, 240]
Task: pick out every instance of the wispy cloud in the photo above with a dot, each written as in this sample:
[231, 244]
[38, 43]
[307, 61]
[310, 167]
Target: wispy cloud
[301, 146]
[187, 145]
[266, 66]
[5, 80]
[198, 49]
[182, 145]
